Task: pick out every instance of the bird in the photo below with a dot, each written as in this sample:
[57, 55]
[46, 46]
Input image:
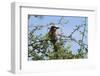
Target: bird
[53, 36]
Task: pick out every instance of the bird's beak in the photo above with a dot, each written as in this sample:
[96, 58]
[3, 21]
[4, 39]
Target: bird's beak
[57, 27]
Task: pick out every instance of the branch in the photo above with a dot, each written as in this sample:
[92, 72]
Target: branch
[59, 22]
[78, 27]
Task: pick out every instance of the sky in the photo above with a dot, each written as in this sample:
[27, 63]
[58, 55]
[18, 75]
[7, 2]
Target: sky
[68, 24]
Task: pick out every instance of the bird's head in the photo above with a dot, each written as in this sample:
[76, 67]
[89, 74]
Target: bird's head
[53, 28]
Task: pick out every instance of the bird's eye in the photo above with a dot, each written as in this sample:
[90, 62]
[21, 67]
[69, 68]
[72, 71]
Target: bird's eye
[55, 28]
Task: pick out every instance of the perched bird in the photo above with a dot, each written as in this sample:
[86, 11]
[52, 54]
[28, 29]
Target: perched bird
[53, 34]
